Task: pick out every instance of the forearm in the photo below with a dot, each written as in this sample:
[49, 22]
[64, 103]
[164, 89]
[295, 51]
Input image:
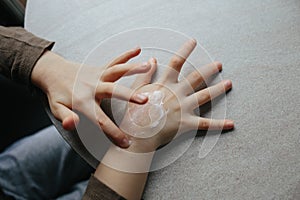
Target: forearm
[126, 171]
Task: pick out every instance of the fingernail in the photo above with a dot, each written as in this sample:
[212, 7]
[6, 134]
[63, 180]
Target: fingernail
[193, 40]
[219, 65]
[153, 60]
[141, 97]
[145, 64]
[125, 143]
[136, 48]
[229, 124]
[228, 83]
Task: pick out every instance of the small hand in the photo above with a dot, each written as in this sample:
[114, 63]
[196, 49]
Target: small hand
[179, 102]
[56, 77]
[168, 113]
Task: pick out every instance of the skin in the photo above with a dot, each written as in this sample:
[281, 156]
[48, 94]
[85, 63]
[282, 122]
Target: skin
[180, 101]
[95, 83]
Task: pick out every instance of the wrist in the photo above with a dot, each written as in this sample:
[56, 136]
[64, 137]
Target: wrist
[45, 70]
[129, 161]
[143, 145]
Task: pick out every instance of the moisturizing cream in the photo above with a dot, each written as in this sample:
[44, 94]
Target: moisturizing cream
[147, 119]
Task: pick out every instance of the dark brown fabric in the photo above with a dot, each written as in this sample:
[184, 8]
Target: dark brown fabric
[99, 191]
[19, 51]
[4, 196]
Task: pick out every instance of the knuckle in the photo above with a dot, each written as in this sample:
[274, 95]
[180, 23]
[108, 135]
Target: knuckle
[196, 75]
[78, 102]
[105, 89]
[205, 96]
[175, 61]
[204, 124]
[177, 108]
[221, 125]
[102, 122]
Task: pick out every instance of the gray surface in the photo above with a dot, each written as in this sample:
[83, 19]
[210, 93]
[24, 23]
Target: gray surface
[258, 43]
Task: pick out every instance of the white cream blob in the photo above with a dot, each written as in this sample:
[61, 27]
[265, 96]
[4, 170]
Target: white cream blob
[147, 119]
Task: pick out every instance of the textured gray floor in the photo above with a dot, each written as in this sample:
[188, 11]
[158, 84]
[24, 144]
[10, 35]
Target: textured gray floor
[258, 43]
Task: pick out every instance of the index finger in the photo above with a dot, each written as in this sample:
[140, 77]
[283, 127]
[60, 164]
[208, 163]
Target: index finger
[124, 57]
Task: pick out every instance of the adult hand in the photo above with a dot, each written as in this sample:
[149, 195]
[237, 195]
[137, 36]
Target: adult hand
[56, 77]
[149, 127]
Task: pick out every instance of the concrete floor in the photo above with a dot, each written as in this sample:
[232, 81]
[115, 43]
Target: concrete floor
[258, 43]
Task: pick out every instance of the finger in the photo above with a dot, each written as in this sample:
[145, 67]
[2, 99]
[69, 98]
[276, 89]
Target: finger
[68, 118]
[177, 61]
[109, 90]
[144, 79]
[117, 71]
[110, 129]
[123, 58]
[203, 96]
[210, 124]
[195, 78]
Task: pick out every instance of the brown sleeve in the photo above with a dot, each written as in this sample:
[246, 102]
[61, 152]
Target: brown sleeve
[99, 191]
[19, 51]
